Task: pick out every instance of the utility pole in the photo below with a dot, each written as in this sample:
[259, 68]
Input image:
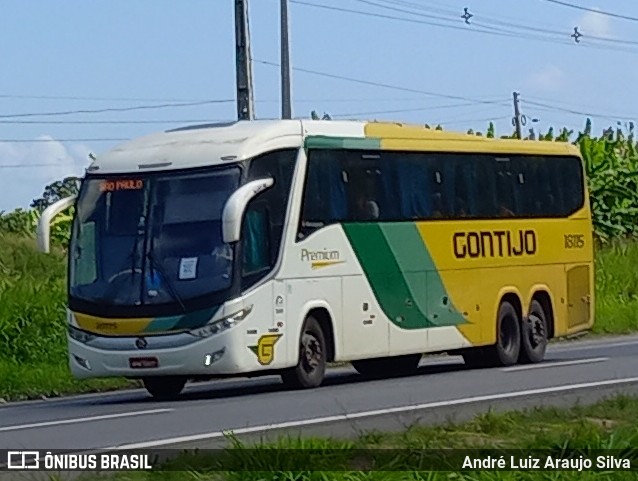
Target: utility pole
[245, 102]
[286, 89]
[517, 116]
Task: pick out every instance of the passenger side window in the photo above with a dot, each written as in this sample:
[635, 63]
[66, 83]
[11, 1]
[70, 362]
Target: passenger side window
[358, 186]
[363, 177]
[324, 200]
[505, 185]
[257, 254]
[263, 224]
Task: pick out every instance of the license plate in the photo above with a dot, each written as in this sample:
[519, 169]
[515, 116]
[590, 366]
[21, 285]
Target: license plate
[143, 362]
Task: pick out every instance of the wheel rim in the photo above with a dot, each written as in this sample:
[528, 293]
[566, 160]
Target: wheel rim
[311, 353]
[536, 332]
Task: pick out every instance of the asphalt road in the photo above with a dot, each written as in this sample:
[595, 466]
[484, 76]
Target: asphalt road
[443, 389]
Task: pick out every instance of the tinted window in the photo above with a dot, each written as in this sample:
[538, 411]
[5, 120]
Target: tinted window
[149, 240]
[266, 214]
[355, 186]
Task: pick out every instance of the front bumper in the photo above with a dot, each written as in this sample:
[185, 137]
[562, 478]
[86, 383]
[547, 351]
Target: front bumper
[111, 357]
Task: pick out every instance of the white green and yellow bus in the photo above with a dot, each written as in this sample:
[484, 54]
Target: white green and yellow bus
[263, 247]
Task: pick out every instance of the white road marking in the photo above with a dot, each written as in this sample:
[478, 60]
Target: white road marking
[592, 344]
[82, 420]
[543, 365]
[377, 412]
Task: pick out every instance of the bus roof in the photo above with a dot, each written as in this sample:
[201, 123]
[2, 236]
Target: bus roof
[214, 144]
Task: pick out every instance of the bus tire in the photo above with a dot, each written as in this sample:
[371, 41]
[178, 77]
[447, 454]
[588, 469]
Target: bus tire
[508, 342]
[311, 365]
[534, 335]
[388, 366]
[164, 388]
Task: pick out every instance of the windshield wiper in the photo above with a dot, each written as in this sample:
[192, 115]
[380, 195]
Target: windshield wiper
[157, 265]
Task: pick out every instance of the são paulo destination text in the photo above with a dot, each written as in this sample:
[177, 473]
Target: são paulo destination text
[97, 461]
[577, 463]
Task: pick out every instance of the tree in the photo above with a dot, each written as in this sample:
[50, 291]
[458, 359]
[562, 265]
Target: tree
[315, 116]
[56, 191]
[491, 131]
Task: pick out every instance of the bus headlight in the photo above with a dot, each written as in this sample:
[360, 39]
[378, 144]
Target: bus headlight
[221, 325]
[80, 335]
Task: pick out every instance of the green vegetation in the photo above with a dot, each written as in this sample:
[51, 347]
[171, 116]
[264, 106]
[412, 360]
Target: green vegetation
[33, 358]
[617, 288]
[608, 425]
[32, 286]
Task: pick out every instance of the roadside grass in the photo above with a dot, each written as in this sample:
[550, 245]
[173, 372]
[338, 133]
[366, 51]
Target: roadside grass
[617, 289]
[33, 360]
[608, 425]
[34, 381]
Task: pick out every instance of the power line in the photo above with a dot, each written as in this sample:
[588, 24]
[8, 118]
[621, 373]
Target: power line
[113, 122]
[146, 107]
[559, 37]
[559, 34]
[453, 18]
[203, 121]
[484, 119]
[20, 166]
[593, 10]
[398, 111]
[578, 112]
[97, 99]
[390, 17]
[555, 102]
[498, 22]
[117, 109]
[383, 85]
[28, 141]
[128, 99]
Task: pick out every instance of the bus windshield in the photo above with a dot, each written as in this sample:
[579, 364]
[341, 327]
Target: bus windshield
[150, 240]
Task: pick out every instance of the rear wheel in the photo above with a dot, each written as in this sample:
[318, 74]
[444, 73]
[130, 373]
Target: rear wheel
[508, 341]
[534, 335]
[164, 388]
[388, 366]
[311, 366]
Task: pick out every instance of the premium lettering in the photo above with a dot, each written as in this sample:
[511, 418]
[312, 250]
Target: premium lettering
[494, 243]
[324, 255]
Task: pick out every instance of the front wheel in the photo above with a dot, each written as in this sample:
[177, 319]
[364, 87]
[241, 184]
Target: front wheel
[311, 366]
[164, 388]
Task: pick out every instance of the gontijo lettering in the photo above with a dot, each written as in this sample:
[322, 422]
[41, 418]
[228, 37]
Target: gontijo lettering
[496, 243]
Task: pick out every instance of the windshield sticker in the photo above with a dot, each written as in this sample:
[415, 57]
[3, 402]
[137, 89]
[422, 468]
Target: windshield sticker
[188, 268]
[124, 184]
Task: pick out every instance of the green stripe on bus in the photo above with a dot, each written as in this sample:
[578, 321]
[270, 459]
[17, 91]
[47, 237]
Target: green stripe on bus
[327, 142]
[421, 273]
[402, 275]
[384, 275]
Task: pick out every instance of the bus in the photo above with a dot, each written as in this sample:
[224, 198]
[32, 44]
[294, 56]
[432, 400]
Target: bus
[277, 247]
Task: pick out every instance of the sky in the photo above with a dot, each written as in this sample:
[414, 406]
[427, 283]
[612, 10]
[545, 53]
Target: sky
[68, 55]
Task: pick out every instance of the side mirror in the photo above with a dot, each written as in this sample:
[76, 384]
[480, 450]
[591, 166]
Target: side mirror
[44, 224]
[236, 205]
